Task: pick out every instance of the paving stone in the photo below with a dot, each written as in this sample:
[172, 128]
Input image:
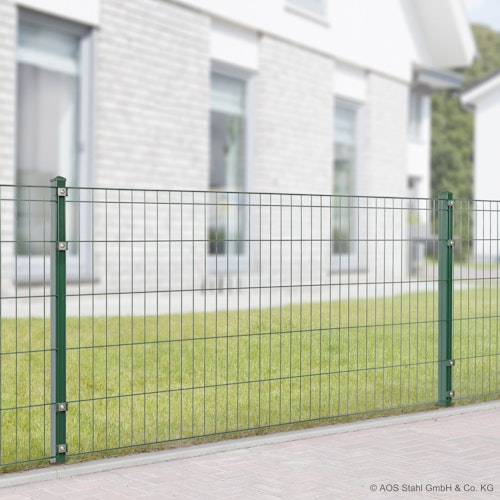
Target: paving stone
[458, 449]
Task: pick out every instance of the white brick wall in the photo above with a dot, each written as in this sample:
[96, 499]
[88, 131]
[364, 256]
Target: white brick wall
[151, 131]
[384, 171]
[294, 120]
[152, 96]
[8, 19]
[152, 128]
[8, 29]
[294, 126]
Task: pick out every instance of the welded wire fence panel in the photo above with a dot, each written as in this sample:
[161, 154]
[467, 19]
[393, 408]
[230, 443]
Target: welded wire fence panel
[199, 313]
[25, 244]
[476, 312]
[194, 314]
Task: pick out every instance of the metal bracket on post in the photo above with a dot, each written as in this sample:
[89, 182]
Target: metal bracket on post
[62, 407]
[59, 407]
[62, 449]
[445, 298]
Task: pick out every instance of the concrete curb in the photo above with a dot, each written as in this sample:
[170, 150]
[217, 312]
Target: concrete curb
[96, 466]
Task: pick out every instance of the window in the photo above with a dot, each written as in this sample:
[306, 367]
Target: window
[228, 138]
[416, 113]
[314, 7]
[344, 172]
[52, 124]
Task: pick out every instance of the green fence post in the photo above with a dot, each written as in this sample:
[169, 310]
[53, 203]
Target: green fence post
[445, 298]
[58, 446]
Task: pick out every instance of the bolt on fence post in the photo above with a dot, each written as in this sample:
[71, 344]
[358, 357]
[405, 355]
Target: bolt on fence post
[58, 446]
[445, 298]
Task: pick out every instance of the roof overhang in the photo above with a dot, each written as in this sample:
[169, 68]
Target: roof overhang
[481, 89]
[437, 79]
[446, 20]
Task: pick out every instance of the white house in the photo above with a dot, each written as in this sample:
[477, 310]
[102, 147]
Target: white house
[484, 99]
[286, 96]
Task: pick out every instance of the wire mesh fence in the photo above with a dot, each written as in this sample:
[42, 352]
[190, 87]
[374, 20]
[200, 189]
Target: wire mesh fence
[476, 311]
[25, 324]
[193, 314]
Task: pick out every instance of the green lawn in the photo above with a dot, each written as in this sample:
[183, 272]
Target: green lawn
[135, 381]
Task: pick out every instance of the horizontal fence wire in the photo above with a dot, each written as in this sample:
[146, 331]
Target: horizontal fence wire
[204, 313]
[476, 292]
[194, 314]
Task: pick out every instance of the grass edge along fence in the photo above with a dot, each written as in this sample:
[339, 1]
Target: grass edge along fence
[281, 349]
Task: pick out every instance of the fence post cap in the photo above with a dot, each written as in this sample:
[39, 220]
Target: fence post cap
[445, 195]
[59, 178]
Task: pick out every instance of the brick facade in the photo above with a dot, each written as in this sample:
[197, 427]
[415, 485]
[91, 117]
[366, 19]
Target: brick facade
[385, 138]
[294, 120]
[152, 96]
[8, 30]
[150, 128]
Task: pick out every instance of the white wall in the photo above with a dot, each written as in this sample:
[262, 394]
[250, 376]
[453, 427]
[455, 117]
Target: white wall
[350, 83]
[384, 155]
[152, 96]
[486, 147]
[293, 120]
[235, 46]
[8, 30]
[356, 31]
[86, 11]
[152, 102]
[487, 175]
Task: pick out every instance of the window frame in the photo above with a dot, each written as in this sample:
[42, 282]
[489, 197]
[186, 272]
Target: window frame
[36, 268]
[226, 264]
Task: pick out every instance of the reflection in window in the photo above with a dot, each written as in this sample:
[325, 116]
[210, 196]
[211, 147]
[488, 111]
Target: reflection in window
[47, 113]
[227, 164]
[343, 177]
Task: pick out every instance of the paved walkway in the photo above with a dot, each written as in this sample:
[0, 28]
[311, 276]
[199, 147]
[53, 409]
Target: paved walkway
[448, 453]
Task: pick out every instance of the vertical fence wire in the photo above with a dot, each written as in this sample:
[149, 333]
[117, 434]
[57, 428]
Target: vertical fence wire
[24, 325]
[476, 312]
[193, 314]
